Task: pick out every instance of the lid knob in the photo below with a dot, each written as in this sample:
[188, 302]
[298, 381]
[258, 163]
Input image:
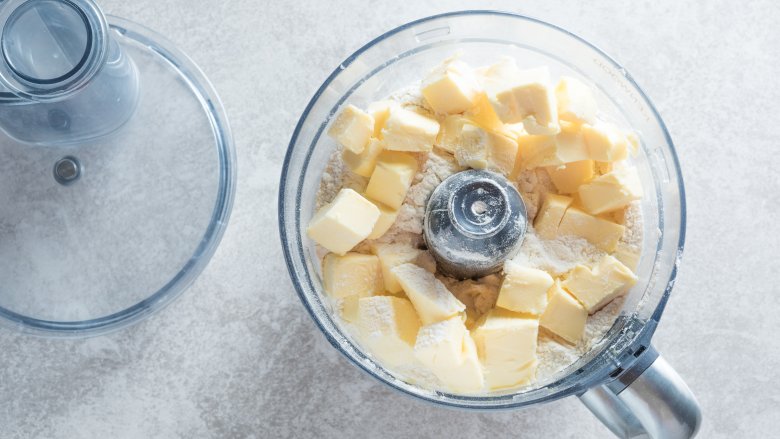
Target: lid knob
[474, 221]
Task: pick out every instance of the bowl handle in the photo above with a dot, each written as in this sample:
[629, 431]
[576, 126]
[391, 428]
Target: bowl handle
[649, 399]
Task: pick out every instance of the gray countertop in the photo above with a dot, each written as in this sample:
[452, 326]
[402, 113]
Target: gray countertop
[237, 356]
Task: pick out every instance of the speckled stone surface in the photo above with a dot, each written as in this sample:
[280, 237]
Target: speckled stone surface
[236, 355]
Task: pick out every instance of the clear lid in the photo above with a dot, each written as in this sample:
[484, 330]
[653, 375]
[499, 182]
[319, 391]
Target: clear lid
[113, 199]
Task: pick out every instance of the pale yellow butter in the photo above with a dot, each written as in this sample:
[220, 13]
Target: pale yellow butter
[565, 147]
[392, 176]
[432, 300]
[391, 256]
[483, 115]
[596, 287]
[550, 215]
[449, 135]
[363, 163]
[575, 100]
[380, 111]
[387, 217]
[448, 350]
[599, 232]
[606, 143]
[506, 344]
[611, 191]
[352, 128]
[565, 316]
[522, 96]
[352, 274]
[502, 153]
[388, 326]
[451, 87]
[406, 130]
[568, 177]
[472, 148]
[342, 224]
[524, 289]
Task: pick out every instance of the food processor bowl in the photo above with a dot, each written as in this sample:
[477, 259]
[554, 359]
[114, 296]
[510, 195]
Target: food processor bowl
[621, 379]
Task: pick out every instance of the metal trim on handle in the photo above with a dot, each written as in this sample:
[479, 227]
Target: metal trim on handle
[648, 400]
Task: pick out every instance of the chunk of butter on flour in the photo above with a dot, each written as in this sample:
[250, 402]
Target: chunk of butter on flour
[432, 300]
[506, 344]
[599, 232]
[343, 223]
[352, 128]
[550, 215]
[388, 325]
[598, 286]
[351, 274]
[565, 316]
[406, 130]
[451, 87]
[448, 350]
[392, 176]
[524, 289]
[611, 191]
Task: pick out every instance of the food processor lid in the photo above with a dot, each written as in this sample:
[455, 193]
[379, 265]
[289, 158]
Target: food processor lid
[113, 199]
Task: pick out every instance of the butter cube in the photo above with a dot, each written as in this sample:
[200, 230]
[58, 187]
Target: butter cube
[448, 350]
[550, 215]
[523, 96]
[606, 143]
[380, 111]
[351, 274]
[565, 147]
[575, 100]
[343, 223]
[388, 326]
[483, 114]
[533, 150]
[524, 289]
[611, 191]
[392, 176]
[450, 132]
[451, 87]
[502, 153]
[564, 316]
[506, 344]
[432, 300]
[406, 130]
[472, 148]
[387, 217]
[596, 287]
[599, 232]
[568, 177]
[476, 147]
[352, 128]
[363, 164]
[391, 256]
[570, 146]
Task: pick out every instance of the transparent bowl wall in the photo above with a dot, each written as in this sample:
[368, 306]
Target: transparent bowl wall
[401, 57]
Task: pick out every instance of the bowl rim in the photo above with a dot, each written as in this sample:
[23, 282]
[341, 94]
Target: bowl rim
[462, 403]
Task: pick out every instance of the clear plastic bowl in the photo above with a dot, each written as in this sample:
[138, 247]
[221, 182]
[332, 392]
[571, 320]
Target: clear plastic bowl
[399, 58]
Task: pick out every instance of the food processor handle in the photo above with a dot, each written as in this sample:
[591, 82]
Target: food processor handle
[647, 400]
